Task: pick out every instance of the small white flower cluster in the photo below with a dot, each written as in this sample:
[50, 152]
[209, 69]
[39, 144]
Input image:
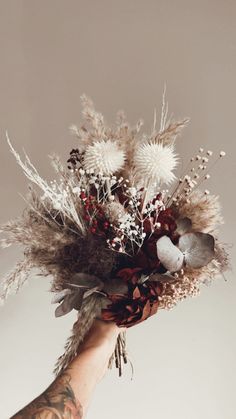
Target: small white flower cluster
[131, 222]
[157, 206]
[131, 230]
[60, 195]
[134, 197]
[194, 175]
[105, 185]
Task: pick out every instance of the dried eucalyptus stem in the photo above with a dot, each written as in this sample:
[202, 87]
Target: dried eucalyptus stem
[120, 353]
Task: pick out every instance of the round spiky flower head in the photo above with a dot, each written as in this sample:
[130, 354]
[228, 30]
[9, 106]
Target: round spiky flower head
[156, 162]
[104, 157]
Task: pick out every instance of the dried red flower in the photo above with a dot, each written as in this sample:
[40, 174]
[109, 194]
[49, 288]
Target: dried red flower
[94, 215]
[140, 303]
[131, 275]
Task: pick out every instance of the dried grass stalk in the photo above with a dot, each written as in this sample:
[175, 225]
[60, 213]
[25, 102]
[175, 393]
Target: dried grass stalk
[15, 279]
[170, 132]
[81, 327]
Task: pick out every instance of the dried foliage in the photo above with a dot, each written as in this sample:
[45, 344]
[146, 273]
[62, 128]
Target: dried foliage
[189, 282]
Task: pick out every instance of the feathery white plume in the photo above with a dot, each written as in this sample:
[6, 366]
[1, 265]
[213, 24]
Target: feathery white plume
[104, 157]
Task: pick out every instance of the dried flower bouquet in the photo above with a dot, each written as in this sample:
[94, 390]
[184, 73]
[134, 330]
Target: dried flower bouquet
[116, 243]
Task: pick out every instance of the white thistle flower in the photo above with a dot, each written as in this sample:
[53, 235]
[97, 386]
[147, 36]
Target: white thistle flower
[155, 162]
[104, 157]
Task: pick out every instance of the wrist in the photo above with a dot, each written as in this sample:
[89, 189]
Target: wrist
[102, 334]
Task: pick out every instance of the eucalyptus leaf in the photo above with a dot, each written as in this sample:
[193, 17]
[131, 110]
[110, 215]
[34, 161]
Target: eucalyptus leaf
[143, 279]
[169, 255]
[115, 286]
[59, 296]
[85, 280]
[93, 290]
[81, 287]
[78, 299]
[198, 249]
[66, 306]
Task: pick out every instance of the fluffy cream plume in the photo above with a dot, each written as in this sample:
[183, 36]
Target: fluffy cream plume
[104, 157]
[169, 134]
[203, 210]
[155, 162]
[114, 211]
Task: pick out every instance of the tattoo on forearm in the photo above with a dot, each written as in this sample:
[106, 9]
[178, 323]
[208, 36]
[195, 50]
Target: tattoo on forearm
[57, 402]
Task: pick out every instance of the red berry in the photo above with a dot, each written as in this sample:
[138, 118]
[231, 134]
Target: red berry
[105, 225]
[83, 195]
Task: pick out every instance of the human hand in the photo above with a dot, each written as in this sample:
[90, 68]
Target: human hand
[100, 342]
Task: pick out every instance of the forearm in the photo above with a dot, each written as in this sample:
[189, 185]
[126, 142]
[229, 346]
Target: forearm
[88, 368]
[69, 395]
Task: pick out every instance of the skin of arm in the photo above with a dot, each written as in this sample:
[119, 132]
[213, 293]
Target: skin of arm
[69, 395]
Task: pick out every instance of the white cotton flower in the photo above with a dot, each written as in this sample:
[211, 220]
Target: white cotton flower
[104, 157]
[155, 162]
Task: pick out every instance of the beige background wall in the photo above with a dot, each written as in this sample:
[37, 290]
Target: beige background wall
[121, 53]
